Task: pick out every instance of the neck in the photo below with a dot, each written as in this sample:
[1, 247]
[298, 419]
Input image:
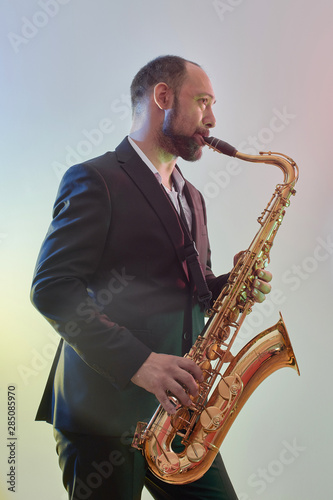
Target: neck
[164, 162]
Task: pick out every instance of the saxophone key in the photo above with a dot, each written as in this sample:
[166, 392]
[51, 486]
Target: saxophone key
[195, 452]
[223, 333]
[226, 356]
[181, 419]
[212, 351]
[168, 462]
[230, 386]
[206, 368]
[211, 418]
[233, 314]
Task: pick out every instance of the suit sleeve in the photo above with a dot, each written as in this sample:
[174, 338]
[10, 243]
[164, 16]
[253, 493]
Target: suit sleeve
[68, 259]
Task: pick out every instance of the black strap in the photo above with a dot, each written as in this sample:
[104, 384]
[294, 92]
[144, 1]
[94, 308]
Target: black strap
[192, 259]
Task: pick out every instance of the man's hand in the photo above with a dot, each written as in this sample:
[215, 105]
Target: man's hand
[162, 373]
[260, 286]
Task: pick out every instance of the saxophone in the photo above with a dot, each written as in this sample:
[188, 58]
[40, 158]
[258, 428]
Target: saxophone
[180, 448]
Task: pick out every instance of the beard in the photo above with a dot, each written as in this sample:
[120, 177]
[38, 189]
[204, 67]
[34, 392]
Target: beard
[177, 144]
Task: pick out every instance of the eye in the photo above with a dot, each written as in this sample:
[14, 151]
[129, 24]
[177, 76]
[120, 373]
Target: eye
[204, 101]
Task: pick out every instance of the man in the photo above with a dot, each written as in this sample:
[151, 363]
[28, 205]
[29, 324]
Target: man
[113, 280]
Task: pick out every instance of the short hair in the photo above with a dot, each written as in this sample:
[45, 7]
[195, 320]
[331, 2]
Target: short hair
[168, 69]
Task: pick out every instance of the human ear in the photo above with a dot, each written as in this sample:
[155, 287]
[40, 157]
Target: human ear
[162, 95]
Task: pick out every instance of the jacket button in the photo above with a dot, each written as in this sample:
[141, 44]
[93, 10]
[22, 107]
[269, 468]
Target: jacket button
[186, 336]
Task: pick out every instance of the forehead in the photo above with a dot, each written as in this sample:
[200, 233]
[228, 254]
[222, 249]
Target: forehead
[197, 82]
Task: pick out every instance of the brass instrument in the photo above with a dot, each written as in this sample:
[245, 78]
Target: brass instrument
[202, 427]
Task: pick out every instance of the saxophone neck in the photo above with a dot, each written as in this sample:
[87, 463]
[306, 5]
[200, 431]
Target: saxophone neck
[284, 162]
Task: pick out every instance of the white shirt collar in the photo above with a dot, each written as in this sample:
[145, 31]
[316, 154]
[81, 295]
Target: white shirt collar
[177, 178]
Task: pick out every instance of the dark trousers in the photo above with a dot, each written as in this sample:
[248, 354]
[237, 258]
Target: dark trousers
[104, 468]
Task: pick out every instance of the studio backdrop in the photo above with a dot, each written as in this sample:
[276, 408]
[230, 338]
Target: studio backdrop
[66, 69]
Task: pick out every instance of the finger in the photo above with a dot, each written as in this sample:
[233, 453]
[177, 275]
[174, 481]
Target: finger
[187, 382]
[238, 256]
[166, 403]
[178, 391]
[262, 286]
[264, 275]
[258, 296]
[190, 366]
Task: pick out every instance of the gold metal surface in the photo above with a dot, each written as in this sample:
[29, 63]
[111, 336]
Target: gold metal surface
[202, 427]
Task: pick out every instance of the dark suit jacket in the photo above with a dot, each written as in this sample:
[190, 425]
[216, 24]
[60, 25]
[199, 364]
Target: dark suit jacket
[111, 278]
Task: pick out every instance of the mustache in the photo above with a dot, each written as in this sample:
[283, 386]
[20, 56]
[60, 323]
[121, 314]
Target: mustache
[202, 131]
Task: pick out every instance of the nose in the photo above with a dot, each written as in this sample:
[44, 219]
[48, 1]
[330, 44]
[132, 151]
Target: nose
[209, 120]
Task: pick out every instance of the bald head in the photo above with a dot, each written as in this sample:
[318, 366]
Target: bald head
[171, 70]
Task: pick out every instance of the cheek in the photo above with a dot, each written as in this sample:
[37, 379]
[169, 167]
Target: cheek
[196, 116]
[191, 121]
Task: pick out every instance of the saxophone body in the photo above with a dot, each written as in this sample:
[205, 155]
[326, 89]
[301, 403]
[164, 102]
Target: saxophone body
[180, 448]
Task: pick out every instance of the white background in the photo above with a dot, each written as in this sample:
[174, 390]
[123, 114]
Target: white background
[66, 66]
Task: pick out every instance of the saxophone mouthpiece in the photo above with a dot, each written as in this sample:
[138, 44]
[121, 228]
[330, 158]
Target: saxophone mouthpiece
[220, 146]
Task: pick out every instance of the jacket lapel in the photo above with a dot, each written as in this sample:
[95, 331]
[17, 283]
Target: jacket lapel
[194, 202]
[156, 196]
